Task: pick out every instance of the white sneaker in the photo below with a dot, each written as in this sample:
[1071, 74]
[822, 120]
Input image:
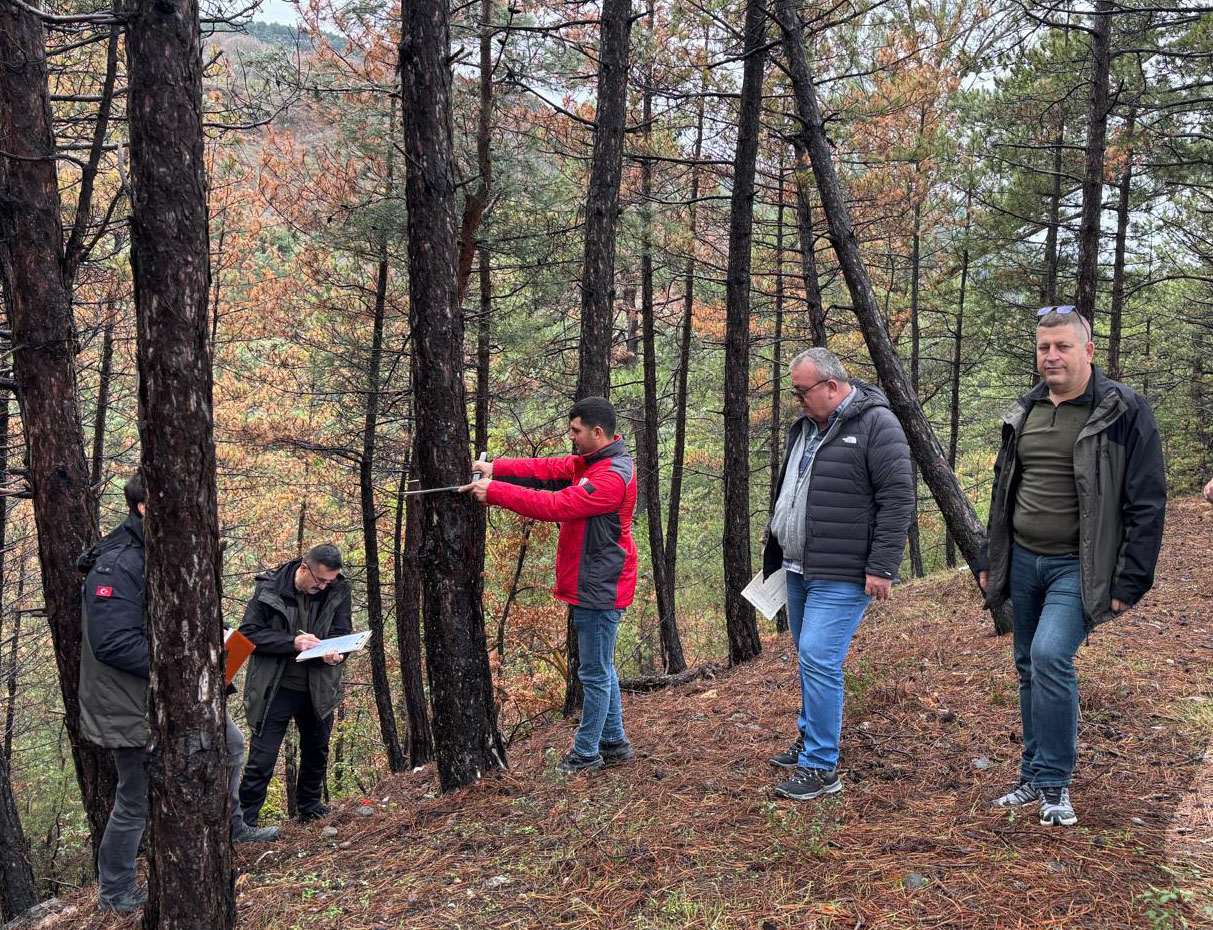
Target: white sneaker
[1055, 808]
[1024, 794]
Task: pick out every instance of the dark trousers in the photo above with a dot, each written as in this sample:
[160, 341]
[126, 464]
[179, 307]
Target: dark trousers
[263, 753]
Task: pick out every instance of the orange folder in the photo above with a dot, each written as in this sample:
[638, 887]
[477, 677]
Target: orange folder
[238, 648]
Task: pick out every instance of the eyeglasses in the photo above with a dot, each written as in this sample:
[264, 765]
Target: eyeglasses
[320, 582]
[802, 393]
[1062, 311]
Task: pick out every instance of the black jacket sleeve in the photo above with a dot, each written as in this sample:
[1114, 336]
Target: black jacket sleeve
[1143, 506]
[257, 625]
[116, 626]
[893, 489]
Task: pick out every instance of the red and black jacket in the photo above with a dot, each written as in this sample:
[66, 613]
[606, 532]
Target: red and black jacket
[592, 498]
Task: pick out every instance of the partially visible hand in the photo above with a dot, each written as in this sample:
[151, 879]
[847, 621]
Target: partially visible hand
[1118, 606]
[485, 468]
[305, 641]
[877, 588]
[478, 489]
[1209, 491]
[333, 658]
[983, 581]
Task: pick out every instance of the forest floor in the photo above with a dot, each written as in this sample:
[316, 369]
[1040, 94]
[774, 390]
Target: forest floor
[691, 835]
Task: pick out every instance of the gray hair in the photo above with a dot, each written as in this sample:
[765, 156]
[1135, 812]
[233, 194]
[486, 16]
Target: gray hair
[826, 362]
[1073, 319]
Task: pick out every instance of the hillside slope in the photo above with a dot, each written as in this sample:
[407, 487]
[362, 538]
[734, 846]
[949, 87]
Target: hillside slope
[690, 836]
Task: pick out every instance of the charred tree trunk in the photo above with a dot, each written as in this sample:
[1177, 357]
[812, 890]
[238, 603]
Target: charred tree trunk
[781, 618]
[684, 361]
[1116, 315]
[957, 345]
[466, 738]
[739, 613]
[191, 883]
[957, 511]
[103, 402]
[602, 201]
[1092, 185]
[18, 892]
[1048, 288]
[808, 241]
[408, 625]
[915, 539]
[44, 364]
[484, 159]
[370, 528]
[672, 659]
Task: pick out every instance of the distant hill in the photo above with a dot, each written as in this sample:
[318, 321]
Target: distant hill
[282, 36]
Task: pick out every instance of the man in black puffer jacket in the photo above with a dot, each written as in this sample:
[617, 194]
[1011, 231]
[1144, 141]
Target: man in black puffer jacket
[114, 672]
[838, 528]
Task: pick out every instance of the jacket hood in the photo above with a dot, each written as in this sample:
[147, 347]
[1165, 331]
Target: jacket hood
[128, 533]
[866, 396]
[610, 450]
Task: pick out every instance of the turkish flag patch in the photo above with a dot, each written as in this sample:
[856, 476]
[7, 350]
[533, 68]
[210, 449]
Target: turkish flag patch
[103, 591]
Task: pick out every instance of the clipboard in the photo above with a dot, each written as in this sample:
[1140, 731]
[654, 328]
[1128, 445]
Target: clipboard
[238, 648]
[351, 642]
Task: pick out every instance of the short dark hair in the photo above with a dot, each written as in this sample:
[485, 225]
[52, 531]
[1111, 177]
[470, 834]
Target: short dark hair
[135, 492]
[325, 554]
[595, 411]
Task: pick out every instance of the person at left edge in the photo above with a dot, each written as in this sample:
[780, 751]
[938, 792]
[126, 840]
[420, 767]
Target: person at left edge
[115, 668]
[293, 608]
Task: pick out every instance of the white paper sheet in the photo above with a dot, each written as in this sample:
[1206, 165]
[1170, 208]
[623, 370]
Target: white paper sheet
[767, 596]
[349, 643]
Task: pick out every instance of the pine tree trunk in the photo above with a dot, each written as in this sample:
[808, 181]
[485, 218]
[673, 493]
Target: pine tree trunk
[739, 613]
[808, 259]
[44, 364]
[103, 400]
[467, 742]
[781, 618]
[1048, 288]
[1092, 185]
[18, 892]
[955, 507]
[408, 625]
[380, 682]
[191, 883]
[1116, 316]
[915, 356]
[672, 659]
[957, 346]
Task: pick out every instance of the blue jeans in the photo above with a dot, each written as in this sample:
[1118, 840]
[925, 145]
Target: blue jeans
[1046, 597]
[602, 711]
[822, 617]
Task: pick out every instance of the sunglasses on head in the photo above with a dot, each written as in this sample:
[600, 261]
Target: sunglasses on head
[1062, 311]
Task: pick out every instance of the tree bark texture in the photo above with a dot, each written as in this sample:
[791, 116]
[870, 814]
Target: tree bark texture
[955, 507]
[739, 613]
[191, 883]
[1048, 287]
[808, 242]
[1117, 310]
[672, 658]
[602, 201]
[103, 402]
[408, 625]
[1092, 184]
[957, 346]
[44, 365]
[380, 682]
[18, 892]
[467, 741]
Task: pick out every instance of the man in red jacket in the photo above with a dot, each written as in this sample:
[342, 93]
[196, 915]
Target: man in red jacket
[591, 494]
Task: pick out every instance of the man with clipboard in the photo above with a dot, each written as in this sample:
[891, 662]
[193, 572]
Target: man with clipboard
[293, 608]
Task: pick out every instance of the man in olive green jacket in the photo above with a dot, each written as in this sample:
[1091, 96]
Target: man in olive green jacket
[1076, 522]
[293, 608]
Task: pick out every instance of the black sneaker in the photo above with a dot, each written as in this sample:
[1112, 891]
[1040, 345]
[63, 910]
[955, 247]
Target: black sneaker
[1056, 809]
[617, 753]
[319, 812]
[790, 757]
[573, 764]
[807, 784]
[126, 903]
[244, 833]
